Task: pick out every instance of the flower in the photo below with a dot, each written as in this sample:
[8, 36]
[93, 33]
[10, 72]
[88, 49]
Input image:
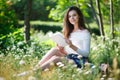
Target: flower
[1, 55]
[22, 62]
[31, 78]
[46, 69]
[23, 73]
[60, 64]
[79, 70]
[71, 61]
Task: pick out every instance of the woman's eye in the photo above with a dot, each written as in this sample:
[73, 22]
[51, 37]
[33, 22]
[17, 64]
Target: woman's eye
[69, 16]
[74, 15]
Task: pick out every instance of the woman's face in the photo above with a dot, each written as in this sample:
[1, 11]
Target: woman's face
[73, 17]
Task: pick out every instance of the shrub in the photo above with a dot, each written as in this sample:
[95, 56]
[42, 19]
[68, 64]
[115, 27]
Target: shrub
[11, 39]
[8, 20]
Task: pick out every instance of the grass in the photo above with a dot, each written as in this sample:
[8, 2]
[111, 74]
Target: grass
[47, 23]
[22, 57]
[17, 62]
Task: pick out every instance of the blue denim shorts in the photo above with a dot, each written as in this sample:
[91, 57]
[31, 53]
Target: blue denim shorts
[77, 61]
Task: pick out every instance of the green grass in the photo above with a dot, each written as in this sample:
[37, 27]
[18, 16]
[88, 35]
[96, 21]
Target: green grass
[47, 23]
[100, 52]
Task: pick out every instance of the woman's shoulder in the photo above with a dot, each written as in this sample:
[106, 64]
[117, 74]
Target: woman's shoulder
[85, 30]
[86, 33]
[81, 32]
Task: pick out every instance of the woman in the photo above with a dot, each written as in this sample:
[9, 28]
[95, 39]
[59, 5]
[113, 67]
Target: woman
[77, 37]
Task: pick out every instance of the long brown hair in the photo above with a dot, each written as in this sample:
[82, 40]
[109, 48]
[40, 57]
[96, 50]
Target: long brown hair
[68, 27]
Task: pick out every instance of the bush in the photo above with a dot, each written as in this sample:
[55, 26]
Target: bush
[44, 26]
[8, 20]
[11, 39]
[104, 52]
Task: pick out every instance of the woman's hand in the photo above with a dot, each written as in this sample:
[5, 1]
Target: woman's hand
[61, 49]
[69, 42]
[71, 45]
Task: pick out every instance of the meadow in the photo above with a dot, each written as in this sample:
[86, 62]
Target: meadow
[19, 57]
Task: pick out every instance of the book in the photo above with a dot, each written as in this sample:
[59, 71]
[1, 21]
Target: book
[58, 38]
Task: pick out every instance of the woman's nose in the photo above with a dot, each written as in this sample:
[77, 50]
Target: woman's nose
[72, 17]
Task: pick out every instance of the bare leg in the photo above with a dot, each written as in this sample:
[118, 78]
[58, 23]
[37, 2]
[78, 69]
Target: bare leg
[53, 59]
[49, 55]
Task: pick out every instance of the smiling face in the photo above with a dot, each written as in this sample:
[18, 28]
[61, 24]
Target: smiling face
[73, 17]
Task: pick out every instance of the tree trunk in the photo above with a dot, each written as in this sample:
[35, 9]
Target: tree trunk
[94, 13]
[100, 20]
[27, 20]
[111, 19]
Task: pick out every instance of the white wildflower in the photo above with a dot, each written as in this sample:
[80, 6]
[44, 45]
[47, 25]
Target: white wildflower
[14, 47]
[95, 48]
[64, 67]
[1, 55]
[46, 69]
[75, 66]
[60, 64]
[50, 34]
[73, 75]
[20, 43]
[22, 62]
[71, 61]
[93, 67]
[51, 64]
[26, 56]
[88, 72]
[104, 75]
[23, 73]
[31, 78]
[110, 78]
[17, 57]
[79, 70]
[102, 79]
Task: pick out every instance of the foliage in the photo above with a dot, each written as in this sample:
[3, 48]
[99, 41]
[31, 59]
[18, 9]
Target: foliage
[116, 12]
[40, 9]
[8, 20]
[104, 51]
[11, 39]
[59, 10]
[44, 26]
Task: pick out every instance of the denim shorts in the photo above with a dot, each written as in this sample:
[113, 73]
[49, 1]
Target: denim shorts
[77, 61]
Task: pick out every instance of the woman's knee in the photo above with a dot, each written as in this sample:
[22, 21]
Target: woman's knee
[56, 59]
[55, 51]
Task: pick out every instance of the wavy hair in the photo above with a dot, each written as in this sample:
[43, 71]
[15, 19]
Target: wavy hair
[68, 27]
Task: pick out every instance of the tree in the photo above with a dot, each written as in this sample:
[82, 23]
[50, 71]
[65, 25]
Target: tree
[94, 12]
[111, 19]
[100, 19]
[8, 19]
[27, 20]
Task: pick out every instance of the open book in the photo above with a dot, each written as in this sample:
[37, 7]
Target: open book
[58, 38]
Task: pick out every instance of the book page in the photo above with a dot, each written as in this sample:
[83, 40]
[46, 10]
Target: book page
[58, 38]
